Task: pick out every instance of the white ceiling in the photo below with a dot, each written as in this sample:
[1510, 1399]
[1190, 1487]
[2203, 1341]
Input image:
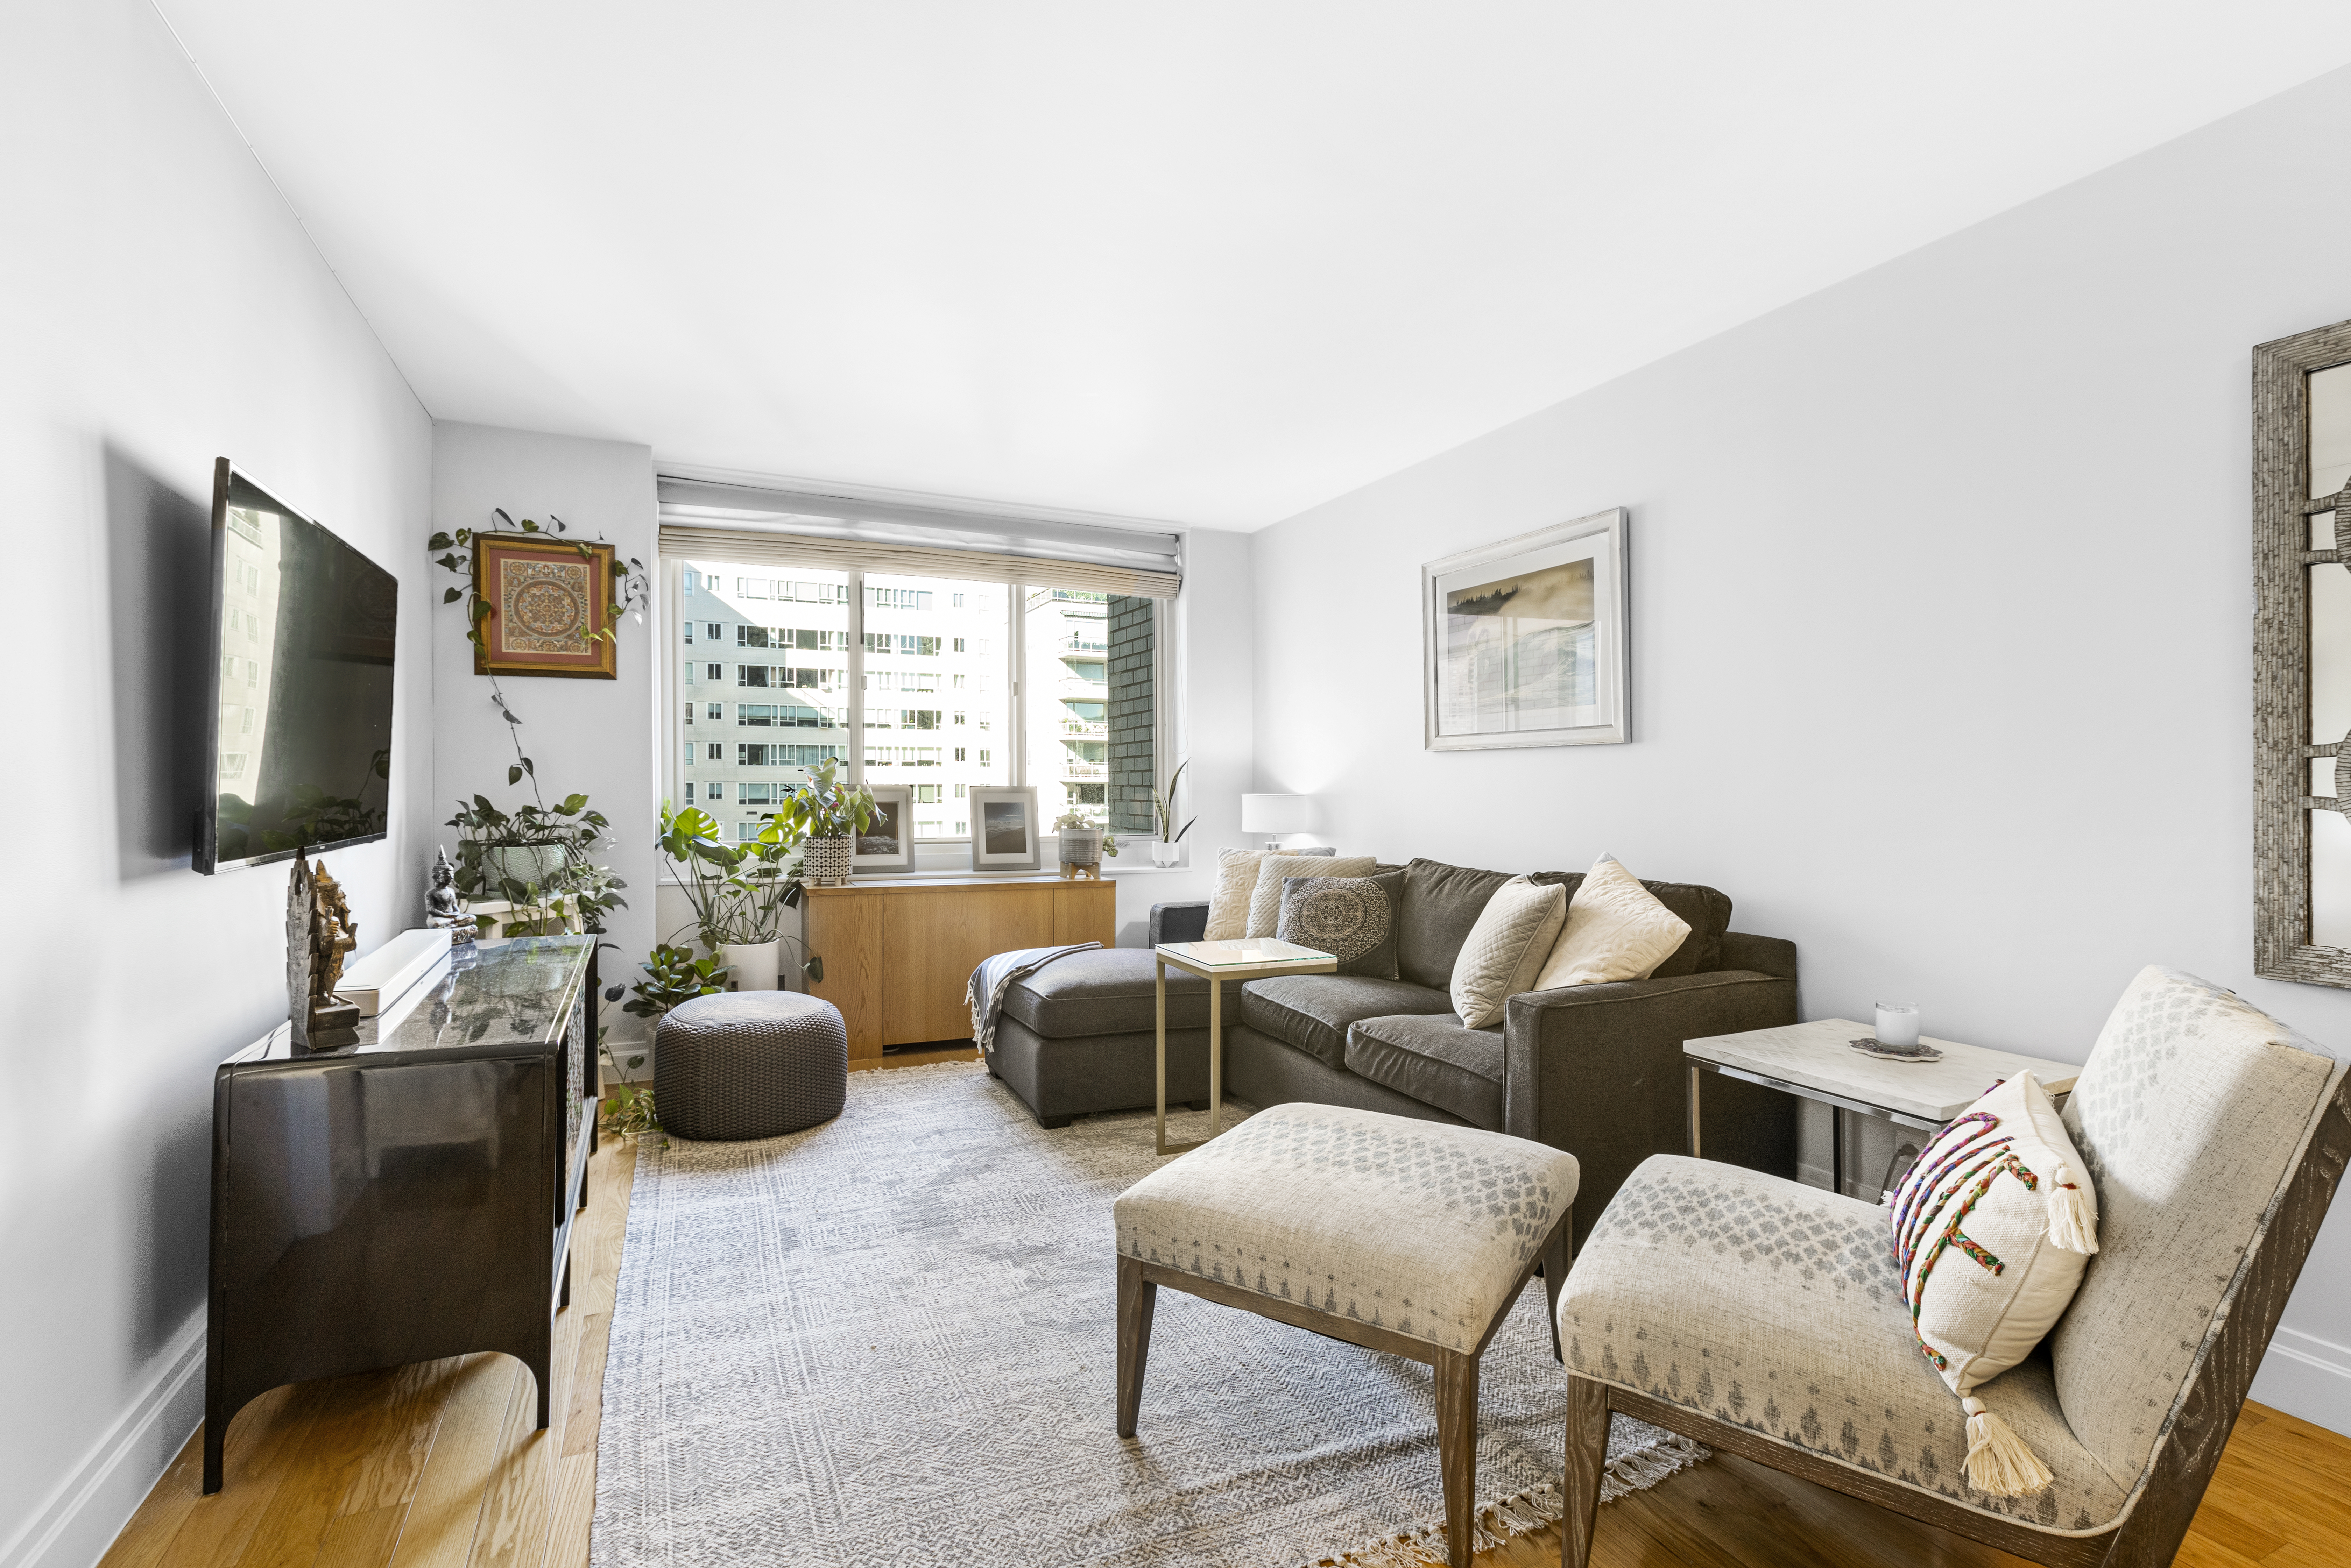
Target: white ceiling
[1212, 262]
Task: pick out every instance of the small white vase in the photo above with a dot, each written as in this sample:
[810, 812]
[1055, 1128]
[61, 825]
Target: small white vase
[754, 964]
[1164, 853]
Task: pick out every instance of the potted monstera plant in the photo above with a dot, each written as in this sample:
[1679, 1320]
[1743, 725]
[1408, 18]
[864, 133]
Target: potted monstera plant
[739, 891]
[829, 815]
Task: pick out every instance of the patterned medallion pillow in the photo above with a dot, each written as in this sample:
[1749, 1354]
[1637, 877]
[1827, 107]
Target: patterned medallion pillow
[1228, 895]
[1265, 898]
[1353, 918]
[1616, 930]
[1506, 948]
[1992, 1229]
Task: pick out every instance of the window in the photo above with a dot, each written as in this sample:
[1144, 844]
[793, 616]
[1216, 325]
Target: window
[746, 830]
[688, 590]
[689, 713]
[718, 792]
[851, 668]
[689, 631]
[689, 793]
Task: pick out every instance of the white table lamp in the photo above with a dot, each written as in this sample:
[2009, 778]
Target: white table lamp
[1276, 815]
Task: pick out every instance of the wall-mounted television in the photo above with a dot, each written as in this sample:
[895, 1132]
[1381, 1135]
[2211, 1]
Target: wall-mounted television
[300, 710]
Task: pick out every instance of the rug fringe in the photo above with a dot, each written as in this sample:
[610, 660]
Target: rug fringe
[1523, 1512]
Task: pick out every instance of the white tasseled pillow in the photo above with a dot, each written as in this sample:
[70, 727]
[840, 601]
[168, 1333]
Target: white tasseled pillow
[1505, 948]
[1992, 1229]
[1616, 930]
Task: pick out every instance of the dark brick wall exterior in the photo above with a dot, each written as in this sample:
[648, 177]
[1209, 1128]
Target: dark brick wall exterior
[1131, 709]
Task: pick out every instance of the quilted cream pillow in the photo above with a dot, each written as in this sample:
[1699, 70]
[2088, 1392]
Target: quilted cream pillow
[1992, 1229]
[1616, 930]
[1228, 895]
[1265, 898]
[1504, 950]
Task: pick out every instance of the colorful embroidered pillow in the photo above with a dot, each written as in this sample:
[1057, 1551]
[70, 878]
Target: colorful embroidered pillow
[1992, 1229]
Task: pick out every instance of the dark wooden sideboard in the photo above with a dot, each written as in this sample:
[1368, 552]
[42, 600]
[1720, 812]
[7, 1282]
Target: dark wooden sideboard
[410, 1196]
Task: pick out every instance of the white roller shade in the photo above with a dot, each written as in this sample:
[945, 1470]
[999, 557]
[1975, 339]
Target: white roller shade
[711, 520]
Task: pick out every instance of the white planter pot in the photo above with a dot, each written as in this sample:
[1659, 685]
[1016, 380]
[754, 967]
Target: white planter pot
[826, 863]
[754, 964]
[1164, 853]
[526, 864]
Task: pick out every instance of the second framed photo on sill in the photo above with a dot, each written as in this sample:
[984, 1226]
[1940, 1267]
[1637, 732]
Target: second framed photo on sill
[887, 844]
[1004, 830]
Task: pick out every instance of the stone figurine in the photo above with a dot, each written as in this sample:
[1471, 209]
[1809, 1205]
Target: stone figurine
[443, 910]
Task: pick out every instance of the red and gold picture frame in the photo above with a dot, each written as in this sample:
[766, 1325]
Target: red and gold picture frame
[546, 606]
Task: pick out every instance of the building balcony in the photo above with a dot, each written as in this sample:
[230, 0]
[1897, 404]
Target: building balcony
[1076, 769]
[1090, 728]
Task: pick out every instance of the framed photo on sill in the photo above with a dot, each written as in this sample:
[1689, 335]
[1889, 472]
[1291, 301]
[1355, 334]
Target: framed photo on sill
[1004, 829]
[1525, 642]
[888, 841]
[547, 599]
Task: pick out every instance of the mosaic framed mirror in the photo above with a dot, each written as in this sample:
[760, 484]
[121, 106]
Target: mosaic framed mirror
[2301, 657]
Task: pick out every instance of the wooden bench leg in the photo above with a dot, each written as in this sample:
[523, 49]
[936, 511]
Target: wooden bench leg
[1136, 1297]
[1557, 1255]
[1457, 1448]
[1587, 1453]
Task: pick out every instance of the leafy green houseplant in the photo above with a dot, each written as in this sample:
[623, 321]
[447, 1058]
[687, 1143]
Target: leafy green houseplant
[739, 891]
[539, 856]
[1163, 806]
[672, 974]
[828, 815]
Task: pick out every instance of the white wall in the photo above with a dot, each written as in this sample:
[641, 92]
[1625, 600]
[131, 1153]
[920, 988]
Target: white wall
[161, 308]
[592, 736]
[1941, 626]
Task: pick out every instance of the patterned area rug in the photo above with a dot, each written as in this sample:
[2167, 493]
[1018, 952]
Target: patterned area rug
[890, 1340]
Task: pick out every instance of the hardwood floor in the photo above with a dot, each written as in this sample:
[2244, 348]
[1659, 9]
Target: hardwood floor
[438, 1466]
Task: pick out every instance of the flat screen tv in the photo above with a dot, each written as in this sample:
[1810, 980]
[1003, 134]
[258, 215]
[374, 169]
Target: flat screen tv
[300, 716]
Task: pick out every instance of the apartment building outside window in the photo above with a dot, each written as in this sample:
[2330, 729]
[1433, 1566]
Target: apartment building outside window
[936, 684]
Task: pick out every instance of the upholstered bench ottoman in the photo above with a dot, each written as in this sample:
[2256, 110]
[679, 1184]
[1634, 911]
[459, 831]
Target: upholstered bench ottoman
[1396, 1234]
[750, 1064]
[1080, 1035]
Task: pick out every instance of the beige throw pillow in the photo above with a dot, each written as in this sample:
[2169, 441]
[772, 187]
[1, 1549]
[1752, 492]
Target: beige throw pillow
[1506, 948]
[1229, 898]
[1616, 930]
[1265, 898]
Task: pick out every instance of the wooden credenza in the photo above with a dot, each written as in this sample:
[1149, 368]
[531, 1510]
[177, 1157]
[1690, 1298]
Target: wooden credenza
[897, 954]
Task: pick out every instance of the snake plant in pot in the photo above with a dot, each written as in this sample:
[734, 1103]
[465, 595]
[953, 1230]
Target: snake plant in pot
[829, 815]
[739, 891]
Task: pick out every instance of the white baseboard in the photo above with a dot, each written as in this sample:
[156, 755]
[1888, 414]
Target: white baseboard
[2308, 1377]
[95, 1500]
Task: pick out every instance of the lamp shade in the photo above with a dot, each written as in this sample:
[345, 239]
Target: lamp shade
[1276, 813]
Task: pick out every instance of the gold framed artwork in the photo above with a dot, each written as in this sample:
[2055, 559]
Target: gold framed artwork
[548, 606]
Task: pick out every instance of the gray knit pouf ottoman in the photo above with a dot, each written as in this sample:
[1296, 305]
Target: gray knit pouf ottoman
[750, 1064]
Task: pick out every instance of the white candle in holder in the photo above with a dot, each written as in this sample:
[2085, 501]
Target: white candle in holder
[1897, 1023]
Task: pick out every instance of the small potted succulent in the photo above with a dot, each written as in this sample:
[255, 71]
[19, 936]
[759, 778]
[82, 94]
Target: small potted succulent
[829, 815]
[1085, 841]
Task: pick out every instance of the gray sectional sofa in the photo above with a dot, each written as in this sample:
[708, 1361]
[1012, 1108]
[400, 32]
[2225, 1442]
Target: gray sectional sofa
[1595, 1070]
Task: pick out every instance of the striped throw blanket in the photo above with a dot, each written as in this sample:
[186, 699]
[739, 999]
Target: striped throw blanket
[995, 976]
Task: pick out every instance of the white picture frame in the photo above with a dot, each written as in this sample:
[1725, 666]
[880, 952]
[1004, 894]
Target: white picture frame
[1558, 672]
[1007, 837]
[887, 844]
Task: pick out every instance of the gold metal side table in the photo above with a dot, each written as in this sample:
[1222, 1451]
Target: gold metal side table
[1218, 962]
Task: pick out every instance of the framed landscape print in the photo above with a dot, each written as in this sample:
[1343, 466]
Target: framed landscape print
[1004, 832]
[1524, 643]
[549, 606]
[888, 841]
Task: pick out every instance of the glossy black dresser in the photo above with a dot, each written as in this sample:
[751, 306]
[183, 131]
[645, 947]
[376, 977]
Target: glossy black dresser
[410, 1196]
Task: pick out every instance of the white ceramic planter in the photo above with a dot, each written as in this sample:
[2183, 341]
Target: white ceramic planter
[526, 864]
[826, 863]
[754, 964]
[1164, 853]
